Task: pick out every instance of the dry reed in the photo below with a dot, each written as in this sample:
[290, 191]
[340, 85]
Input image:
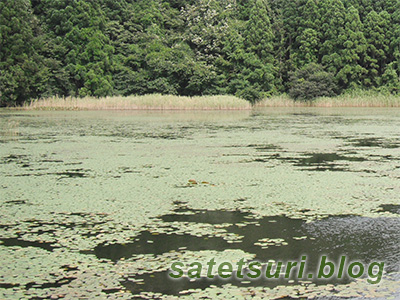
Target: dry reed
[223, 102]
[147, 102]
[356, 99]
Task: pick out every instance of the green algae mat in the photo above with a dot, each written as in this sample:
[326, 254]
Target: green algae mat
[98, 205]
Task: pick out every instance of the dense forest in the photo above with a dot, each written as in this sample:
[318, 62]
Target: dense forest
[248, 48]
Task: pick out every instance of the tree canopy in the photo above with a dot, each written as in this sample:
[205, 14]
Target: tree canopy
[250, 49]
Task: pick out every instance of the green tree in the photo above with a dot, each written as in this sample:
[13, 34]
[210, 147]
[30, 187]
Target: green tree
[344, 44]
[83, 51]
[309, 45]
[390, 80]
[196, 47]
[207, 25]
[253, 56]
[311, 82]
[395, 39]
[23, 74]
[308, 40]
[376, 31]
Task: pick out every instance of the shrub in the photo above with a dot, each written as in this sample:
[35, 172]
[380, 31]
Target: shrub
[311, 82]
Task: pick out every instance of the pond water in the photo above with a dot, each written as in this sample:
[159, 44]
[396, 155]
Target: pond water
[98, 205]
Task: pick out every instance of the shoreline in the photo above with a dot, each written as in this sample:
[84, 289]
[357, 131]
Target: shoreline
[156, 102]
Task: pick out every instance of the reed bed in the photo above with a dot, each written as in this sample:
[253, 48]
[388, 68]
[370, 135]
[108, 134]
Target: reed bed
[147, 102]
[222, 102]
[355, 99]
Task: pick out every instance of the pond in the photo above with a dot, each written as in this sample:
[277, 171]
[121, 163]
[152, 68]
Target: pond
[98, 205]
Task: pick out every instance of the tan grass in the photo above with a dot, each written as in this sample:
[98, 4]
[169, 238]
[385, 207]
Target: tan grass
[356, 99]
[223, 102]
[147, 102]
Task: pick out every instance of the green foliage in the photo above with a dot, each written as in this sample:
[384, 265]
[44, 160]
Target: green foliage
[84, 51]
[249, 59]
[250, 49]
[22, 70]
[376, 27]
[344, 45]
[311, 82]
[391, 80]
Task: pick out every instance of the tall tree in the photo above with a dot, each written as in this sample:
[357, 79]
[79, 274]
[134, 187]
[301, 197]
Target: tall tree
[77, 28]
[308, 38]
[23, 74]
[258, 41]
[344, 44]
[376, 31]
[395, 38]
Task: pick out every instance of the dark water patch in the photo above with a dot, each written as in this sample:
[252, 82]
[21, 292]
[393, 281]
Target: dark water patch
[147, 243]
[51, 161]
[212, 127]
[313, 161]
[330, 168]
[271, 158]
[163, 136]
[21, 160]
[384, 157]
[74, 173]
[235, 155]
[279, 238]
[172, 135]
[13, 158]
[67, 225]
[264, 147]
[8, 285]
[48, 285]
[233, 146]
[259, 147]
[375, 143]
[326, 162]
[79, 214]
[111, 291]
[335, 235]
[17, 242]
[392, 208]
[241, 200]
[16, 202]
[161, 282]
[127, 170]
[74, 163]
[208, 217]
[305, 114]
[360, 238]
[324, 158]
[365, 171]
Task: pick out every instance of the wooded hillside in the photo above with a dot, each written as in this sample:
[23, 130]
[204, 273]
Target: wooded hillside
[250, 49]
